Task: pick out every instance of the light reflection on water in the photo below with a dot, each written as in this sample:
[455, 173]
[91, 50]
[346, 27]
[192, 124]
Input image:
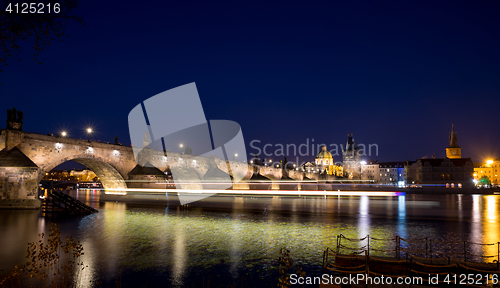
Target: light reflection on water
[244, 234]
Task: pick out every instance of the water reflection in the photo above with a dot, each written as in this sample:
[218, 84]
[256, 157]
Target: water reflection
[179, 254]
[17, 229]
[235, 253]
[245, 232]
[460, 210]
[476, 235]
[402, 217]
[114, 225]
[364, 219]
[491, 227]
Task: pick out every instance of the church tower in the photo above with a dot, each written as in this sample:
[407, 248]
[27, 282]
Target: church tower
[453, 151]
[351, 159]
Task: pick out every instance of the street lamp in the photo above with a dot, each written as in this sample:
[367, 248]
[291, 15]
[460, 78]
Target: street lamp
[63, 133]
[89, 131]
[489, 162]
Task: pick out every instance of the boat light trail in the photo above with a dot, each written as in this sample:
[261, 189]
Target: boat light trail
[256, 192]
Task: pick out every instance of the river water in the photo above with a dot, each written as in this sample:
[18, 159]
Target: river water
[230, 238]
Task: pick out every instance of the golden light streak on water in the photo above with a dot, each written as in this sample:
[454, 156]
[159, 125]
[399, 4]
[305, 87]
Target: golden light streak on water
[491, 227]
[180, 255]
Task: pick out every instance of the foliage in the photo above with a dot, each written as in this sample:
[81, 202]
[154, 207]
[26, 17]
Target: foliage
[285, 267]
[51, 263]
[41, 28]
[485, 180]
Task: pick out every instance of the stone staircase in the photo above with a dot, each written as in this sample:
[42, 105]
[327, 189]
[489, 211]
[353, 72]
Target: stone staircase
[58, 202]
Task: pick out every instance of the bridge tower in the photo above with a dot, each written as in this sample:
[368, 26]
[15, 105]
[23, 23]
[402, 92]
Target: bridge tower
[18, 173]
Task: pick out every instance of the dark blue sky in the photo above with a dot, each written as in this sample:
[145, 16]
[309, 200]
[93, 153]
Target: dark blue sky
[395, 74]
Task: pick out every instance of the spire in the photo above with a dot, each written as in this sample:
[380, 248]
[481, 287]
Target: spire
[350, 146]
[452, 138]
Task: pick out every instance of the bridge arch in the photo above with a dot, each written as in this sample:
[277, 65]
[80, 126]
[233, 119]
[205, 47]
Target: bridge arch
[108, 174]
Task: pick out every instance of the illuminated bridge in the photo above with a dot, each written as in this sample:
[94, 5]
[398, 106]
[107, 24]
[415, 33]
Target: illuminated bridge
[26, 157]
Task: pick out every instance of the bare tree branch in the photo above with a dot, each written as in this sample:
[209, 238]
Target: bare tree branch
[16, 28]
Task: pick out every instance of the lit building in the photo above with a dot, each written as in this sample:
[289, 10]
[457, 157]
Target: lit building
[370, 171]
[309, 167]
[339, 170]
[146, 176]
[351, 159]
[450, 172]
[324, 161]
[391, 173]
[83, 175]
[453, 151]
[489, 170]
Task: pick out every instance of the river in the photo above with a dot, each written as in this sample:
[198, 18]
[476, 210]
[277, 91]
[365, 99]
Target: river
[230, 238]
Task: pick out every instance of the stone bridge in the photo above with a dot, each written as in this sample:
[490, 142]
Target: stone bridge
[26, 157]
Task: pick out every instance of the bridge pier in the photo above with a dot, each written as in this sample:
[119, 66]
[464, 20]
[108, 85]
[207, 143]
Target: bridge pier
[18, 181]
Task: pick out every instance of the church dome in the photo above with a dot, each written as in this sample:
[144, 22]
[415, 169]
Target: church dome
[324, 153]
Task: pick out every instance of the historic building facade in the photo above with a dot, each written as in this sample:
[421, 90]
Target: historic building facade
[351, 159]
[309, 167]
[391, 173]
[324, 162]
[488, 171]
[370, 171]
[451, 172]
[453, 151]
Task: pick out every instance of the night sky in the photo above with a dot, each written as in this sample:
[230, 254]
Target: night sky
[394, 74]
